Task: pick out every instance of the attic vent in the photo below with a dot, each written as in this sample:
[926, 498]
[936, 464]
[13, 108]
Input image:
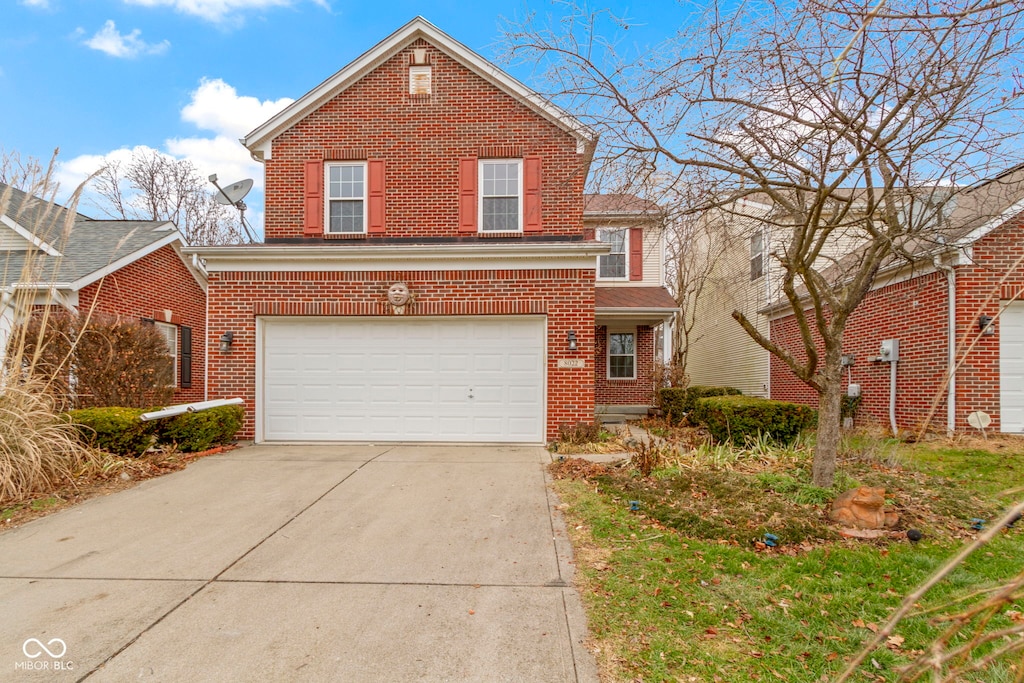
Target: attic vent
[419, 80]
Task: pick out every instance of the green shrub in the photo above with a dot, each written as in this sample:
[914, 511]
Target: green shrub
[115, 430]
[203, 429]
[676, 402]
[739, 418]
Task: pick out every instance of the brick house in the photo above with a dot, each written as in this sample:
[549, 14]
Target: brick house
[426, 274]
[959, 304]
[132, 269]
[633, 309]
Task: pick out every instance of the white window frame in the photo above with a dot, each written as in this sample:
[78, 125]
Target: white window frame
[608, 353]
[759, 256]
[625, 246]
[328, 198]
[481, 196]
[170, 333]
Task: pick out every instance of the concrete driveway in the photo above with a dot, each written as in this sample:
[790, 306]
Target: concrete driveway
[302, 563]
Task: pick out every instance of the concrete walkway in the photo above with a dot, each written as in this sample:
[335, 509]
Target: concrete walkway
[302, 563]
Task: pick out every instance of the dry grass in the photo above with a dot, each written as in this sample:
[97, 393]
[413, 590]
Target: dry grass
[39, 451]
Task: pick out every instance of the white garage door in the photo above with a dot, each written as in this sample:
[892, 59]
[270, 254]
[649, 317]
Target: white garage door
[403, 379]
[1011, 367]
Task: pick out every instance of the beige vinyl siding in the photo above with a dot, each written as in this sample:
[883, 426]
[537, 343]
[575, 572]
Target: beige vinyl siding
[721, 353]
[654, 262]
[12, 241]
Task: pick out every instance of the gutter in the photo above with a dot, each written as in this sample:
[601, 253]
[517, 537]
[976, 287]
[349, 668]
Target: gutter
[950, 344]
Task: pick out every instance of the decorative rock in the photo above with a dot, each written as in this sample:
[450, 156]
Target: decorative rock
[862, 533]
[863, 508]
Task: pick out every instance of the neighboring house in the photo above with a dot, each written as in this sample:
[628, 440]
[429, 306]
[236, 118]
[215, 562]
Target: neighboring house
[939, 307]
[632, 307]
[133, 269]
[730, 270]
[426, 274]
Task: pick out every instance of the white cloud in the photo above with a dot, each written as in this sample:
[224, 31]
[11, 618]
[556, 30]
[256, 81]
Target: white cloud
[219, 10]
[215, 106]
[38, 4]
[108, 39]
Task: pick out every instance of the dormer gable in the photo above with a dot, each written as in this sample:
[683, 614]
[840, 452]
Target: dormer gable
[260, 140]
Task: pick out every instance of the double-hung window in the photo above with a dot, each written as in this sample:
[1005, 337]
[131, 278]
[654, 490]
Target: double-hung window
[170, 333]
[756, 256]
[501, 195]
[345, 197]
[613, 264]
[622, 355]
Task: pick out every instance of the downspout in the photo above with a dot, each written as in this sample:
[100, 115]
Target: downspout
[892, 398]
[950, 344]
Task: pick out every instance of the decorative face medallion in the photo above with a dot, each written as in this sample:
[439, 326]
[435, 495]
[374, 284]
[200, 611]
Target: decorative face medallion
[398, 294]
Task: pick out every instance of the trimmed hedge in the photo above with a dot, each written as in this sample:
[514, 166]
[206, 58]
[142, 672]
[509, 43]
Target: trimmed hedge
[117, 430]
[735, 418]
[199, 431]
[676, 402]
[121, 432]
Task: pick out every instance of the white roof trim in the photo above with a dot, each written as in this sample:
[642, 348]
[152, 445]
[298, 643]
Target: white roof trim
[96, 275]
[347, 256]
[992, 224]
[29, 236]
[258, 141]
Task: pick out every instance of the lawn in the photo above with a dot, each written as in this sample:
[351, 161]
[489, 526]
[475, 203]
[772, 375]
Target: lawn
[679, 583]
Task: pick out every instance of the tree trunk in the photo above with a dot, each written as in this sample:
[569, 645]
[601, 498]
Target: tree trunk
[826, 451]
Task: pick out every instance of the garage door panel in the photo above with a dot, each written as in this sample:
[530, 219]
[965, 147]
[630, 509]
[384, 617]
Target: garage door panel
[1011, 367]
[423, 379]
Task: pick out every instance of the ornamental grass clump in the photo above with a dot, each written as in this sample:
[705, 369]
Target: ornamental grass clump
[39, 451]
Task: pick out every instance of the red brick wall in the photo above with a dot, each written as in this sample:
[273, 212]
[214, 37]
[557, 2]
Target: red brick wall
[637, 391]
[980, 287]
[155, 283]
[566, 297]
[915, 312]
[421, 140]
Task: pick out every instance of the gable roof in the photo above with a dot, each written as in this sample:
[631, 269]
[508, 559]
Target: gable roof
[619, 206]
[79, 250]
[259, 140]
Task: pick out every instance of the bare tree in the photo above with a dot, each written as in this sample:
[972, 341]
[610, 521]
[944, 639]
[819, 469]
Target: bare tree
[852, 120]
[22, 174]
[154, 186]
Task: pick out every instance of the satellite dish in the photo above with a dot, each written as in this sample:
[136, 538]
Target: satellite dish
[979, 419]
[230, 195]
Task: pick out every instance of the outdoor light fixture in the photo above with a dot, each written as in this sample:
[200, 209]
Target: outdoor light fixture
[987, 325]
[572, 341]
[225, 341]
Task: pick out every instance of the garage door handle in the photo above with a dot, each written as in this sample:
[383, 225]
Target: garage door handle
[471, 393]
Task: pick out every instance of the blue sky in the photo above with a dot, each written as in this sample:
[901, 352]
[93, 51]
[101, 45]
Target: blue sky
[97, 78]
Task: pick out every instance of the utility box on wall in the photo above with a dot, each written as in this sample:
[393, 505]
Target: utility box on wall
[889, 351]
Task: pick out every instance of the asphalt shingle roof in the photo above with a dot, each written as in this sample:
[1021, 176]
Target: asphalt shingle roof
[86, 245]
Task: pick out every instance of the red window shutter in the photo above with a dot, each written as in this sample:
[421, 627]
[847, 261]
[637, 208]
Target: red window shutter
[531, 194]
[467, 194]
[313, 199]
[636, 253]
[375, 187]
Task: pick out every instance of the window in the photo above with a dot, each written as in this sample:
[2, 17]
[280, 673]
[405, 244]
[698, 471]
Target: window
[501, 198]
[622, 355]
[756, 256]
[345, 198]
[170, 333]
[613, 264]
